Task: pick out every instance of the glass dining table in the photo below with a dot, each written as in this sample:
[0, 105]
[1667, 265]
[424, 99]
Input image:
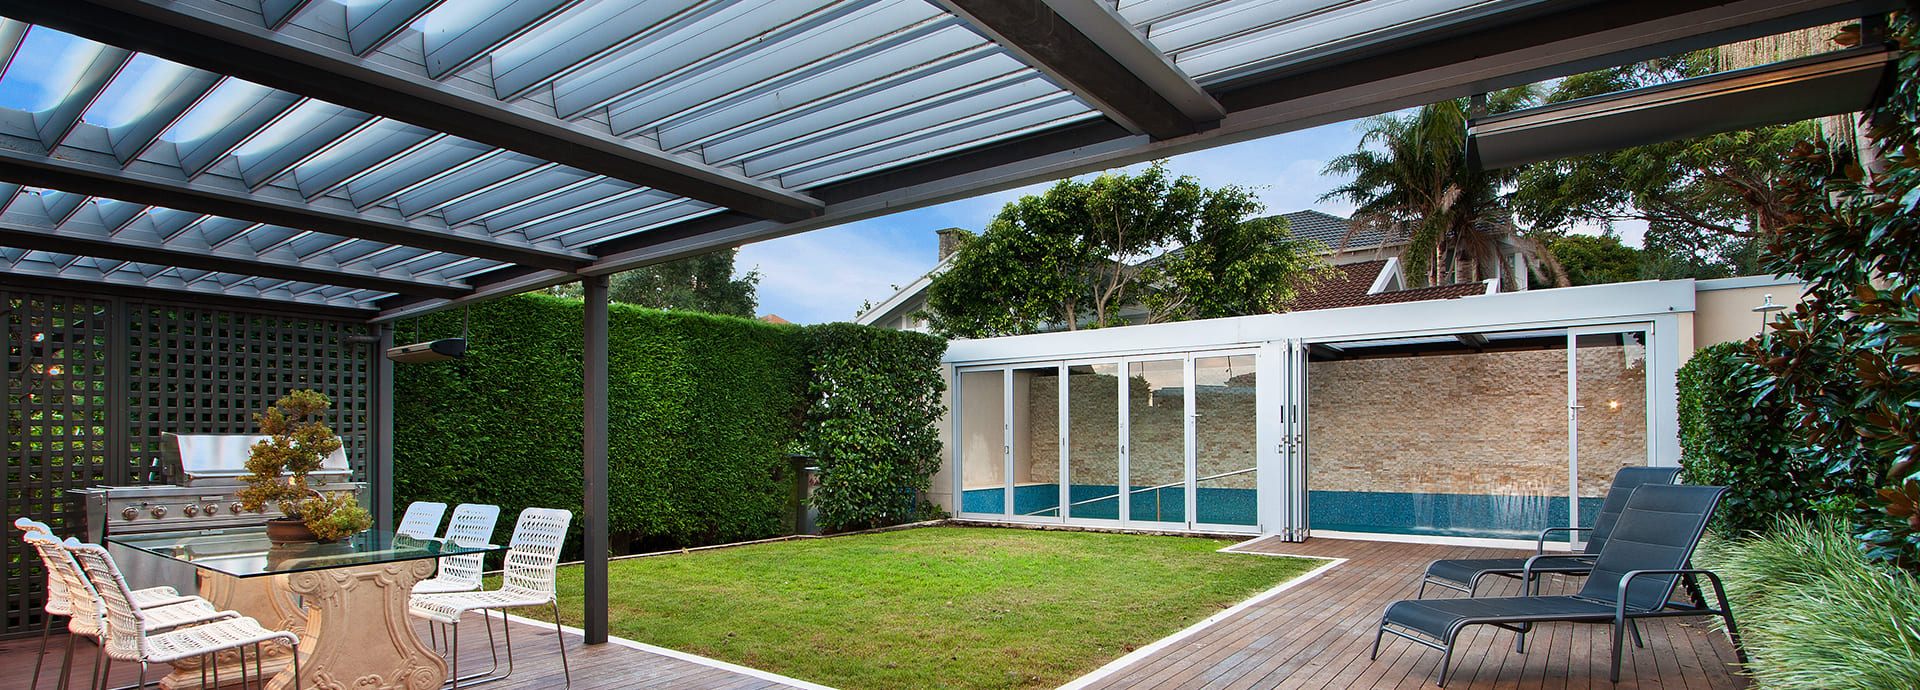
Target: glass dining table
[347, 600]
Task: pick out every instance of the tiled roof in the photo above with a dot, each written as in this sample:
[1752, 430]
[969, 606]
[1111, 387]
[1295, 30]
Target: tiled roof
[1347, 286]
[1329, 230]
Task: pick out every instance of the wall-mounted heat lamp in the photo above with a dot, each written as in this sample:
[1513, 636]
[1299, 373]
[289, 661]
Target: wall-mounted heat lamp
[1829, 84]
[428, 351]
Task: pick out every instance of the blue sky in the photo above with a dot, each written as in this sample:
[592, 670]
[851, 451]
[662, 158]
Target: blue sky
[826, 275]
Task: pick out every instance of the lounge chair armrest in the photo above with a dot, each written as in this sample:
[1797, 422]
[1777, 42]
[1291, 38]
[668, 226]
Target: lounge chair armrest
[1620, 597]
[1540, 546]
[1526, 571]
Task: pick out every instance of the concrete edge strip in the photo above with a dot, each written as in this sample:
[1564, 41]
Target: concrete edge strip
[683, 656]
[1117, 665]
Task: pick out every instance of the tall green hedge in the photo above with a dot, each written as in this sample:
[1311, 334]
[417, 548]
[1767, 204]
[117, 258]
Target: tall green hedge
[874, 396]
[1733, 434]
[702, 411]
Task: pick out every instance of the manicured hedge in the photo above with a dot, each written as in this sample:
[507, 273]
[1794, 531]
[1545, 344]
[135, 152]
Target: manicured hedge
[702, 412]
[874, 395]
[1733, 433]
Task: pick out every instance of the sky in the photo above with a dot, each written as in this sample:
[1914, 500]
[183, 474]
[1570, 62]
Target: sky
[826, 275]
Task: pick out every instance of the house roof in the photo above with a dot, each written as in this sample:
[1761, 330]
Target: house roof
[392, 157]
[1351, 285]
[1329, 230]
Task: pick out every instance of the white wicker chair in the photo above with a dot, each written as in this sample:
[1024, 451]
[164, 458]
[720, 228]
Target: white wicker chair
[127, 627]
[528, 581]
[68, 595]
[422, 519]
[472, 524]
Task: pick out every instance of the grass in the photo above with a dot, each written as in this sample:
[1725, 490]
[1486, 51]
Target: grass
[936, 607]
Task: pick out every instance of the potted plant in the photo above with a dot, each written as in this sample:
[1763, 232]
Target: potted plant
[298, 442]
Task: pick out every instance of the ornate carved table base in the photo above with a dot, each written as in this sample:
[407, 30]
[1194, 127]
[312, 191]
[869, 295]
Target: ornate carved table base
[355, 633]
[264, 599]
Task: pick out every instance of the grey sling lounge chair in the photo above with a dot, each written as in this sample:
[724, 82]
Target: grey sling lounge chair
[1633, 578]
[1465, 574]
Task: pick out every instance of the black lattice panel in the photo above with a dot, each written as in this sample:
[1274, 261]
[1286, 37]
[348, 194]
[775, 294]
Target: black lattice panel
[92, 382]
[57, 435]
[209, 371]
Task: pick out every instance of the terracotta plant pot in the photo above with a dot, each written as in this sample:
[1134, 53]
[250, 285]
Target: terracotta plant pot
[283, 530]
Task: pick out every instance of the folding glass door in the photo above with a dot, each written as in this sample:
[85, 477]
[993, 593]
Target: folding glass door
[1154, 442]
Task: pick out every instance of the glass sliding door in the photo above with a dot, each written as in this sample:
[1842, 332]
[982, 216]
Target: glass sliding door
[983, 447]
[1225, 431]
[1607, 416]
[1156, 449]
[1035, 425]
[1092, 475]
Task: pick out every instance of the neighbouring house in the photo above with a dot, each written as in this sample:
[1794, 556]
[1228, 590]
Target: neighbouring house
[1473, 420]
[1367, 271]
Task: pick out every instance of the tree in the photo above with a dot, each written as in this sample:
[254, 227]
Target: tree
[1416, 186]
[1706, 200]
[703, 283]
[1067, 258]
[1591, 260]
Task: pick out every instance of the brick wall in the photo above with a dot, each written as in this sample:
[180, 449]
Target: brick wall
[1492, 423]
[1225, 429]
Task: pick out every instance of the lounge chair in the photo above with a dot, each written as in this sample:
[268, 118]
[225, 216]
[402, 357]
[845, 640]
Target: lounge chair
[1632, 578]
[1464, 574]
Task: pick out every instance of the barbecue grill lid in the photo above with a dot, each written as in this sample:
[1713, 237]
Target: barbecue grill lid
[187, 457]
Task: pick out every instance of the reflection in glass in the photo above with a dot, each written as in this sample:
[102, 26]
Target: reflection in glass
[1036, 442]
[1225, 432]
[1093, 435]
[1612, 417]
[983, 441]
[1156, 440]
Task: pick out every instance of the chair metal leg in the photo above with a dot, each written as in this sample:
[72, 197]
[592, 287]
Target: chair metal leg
[1634, 627]
[1619, 647]
[1446, 663]
[100, 672]
[1377, 634]
[66, 662]
[214, 661]
[558, 639]
[453, 651]
[46, 629]
[295, 646]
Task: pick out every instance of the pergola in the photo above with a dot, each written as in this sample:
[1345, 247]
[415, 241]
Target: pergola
[375, 160]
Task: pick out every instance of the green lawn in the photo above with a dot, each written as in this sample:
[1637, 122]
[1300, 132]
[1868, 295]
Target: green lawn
[941, 607]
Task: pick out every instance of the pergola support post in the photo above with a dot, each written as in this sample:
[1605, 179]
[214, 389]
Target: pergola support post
[380, 473]
[594, 424]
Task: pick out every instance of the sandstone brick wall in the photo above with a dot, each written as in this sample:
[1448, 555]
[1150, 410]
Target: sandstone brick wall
[1492, 423]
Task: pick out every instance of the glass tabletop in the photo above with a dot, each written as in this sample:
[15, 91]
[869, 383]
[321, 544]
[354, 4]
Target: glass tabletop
[246, 552]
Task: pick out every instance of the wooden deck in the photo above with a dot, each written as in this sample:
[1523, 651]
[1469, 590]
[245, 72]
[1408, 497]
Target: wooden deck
[1317, 635]
[1313, 635]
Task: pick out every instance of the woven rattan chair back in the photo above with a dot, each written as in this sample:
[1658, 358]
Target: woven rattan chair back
[472, 525]
[422, 519]
[535, 551]
[39, 536]
[124, 634]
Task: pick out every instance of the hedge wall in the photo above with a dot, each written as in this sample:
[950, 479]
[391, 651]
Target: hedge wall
[701, 414]
[1733, 434]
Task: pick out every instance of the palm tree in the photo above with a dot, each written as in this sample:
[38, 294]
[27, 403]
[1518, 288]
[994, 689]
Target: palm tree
[1416, 187]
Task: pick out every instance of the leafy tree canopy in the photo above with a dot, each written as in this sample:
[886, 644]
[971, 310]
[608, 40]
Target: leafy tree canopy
[703, 283]
[1593, 260]
[1070, 257]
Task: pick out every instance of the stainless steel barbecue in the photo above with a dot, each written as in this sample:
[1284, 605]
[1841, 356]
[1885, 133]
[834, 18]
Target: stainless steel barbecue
[202, 474]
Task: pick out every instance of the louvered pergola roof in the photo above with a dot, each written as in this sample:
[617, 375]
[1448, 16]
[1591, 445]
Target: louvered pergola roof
[393, 157]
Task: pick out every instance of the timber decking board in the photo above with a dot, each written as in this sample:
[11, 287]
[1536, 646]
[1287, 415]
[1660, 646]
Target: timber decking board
[1315, 635]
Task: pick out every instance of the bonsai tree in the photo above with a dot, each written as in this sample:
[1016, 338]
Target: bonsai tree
[298, 441]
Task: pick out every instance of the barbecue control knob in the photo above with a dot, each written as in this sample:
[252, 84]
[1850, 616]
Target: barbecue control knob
[212, 509]
[191, 510]
[129, 513]
[235, 508]
[159, 511]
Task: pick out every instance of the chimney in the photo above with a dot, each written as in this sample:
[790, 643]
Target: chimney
[949, 242]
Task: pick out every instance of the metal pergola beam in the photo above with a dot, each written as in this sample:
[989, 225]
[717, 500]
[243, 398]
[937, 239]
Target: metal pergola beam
[206, 196]
[42, 282]
[1042, 38]
[214, 37]
[24, 236]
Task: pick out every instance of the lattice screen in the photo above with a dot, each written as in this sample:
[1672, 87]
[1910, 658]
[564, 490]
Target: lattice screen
[93, 381]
